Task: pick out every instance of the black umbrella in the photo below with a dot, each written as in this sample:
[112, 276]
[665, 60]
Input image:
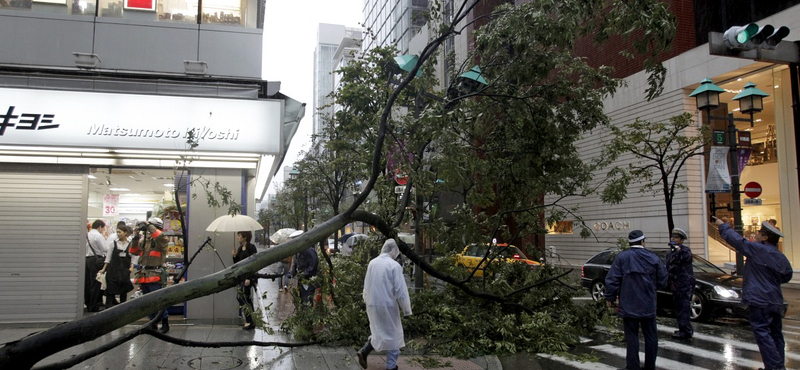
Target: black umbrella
[344, 237]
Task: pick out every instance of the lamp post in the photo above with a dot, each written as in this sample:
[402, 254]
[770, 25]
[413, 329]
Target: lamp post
[467, 83]
[750, 101]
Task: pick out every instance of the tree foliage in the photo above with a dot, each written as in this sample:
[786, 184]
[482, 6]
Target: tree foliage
[660, 151]
[503, 147]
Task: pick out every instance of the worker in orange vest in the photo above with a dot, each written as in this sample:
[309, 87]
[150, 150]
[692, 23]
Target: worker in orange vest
[152, 252]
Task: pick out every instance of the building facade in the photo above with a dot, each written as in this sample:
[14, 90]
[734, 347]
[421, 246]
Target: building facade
[393, 22]
[771, 162]
[101, 99]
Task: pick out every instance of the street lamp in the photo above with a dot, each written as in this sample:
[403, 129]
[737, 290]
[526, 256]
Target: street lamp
[750, 101]
[467, 83]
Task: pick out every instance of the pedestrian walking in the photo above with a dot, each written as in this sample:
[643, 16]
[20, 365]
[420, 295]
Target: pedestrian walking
[244, 296]
[681, 282]
[152, 251]
[384, 290]
[635, 276]
[764, 272]
[304, 266]
[96, 250]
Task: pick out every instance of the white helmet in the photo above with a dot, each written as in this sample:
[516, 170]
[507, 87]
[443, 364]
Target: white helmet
[155, 221]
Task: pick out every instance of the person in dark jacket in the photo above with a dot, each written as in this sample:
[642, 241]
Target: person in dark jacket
[243, 292]
[304, 266]
[151, 247]
[635, 276]
[681, 282]
[764, 272]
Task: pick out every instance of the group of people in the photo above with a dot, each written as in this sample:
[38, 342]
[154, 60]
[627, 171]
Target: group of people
[113, 258]
[637, 273]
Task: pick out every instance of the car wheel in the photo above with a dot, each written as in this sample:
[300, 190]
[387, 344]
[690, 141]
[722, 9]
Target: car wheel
[698, 307]
[598, 288]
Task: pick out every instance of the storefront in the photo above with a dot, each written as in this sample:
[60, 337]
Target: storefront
[771, 162]
[74, 155]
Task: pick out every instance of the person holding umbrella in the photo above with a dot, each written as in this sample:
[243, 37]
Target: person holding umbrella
[243, 295]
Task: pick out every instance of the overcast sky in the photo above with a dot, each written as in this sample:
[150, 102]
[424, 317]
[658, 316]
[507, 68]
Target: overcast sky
[290, 35]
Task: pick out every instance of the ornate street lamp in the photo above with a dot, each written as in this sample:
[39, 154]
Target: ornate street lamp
[750, 101]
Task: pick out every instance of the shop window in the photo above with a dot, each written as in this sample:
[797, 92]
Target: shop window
[16, 4]
[560, 227]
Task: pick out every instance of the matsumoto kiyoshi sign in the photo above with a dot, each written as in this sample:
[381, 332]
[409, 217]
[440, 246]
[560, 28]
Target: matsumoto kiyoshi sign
[108, 120]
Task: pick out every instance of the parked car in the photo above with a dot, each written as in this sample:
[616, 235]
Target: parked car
[472, 255]
[716, 293]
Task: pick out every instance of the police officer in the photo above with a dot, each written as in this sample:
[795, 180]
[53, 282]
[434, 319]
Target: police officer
[766, 269]
[634, 277]
[153, 253]
[681, 278]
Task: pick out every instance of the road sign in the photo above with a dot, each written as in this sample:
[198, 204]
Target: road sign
[752, 202]
[400, 177]
[399, 189]
[752, 189]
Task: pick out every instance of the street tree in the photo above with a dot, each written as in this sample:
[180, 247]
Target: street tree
[504, 146]
[660, 150]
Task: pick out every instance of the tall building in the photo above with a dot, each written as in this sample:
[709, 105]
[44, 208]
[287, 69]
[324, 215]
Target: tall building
[101, 99]
[393, 22]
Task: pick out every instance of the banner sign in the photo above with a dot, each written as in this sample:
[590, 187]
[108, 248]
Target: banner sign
[111, 205]
[130, 121]
[744, 156]
[719, 179]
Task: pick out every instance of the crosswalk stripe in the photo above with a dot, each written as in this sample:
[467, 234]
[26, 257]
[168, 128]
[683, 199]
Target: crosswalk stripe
[791, 326]
[705, 354]
[578, 364]
[661, 363]
[735, 343]
[790, 332]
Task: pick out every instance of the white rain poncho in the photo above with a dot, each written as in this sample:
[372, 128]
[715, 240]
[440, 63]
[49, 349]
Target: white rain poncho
[384, 289]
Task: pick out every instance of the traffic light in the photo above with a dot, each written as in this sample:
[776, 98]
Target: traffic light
[751, 36]
[775, 38]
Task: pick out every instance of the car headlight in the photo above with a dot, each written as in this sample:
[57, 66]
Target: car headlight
[725, 292]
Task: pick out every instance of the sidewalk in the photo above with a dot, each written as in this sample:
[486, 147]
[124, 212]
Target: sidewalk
[146, 352]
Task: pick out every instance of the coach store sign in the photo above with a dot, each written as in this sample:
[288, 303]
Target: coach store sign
[108, 120]
[612, 225]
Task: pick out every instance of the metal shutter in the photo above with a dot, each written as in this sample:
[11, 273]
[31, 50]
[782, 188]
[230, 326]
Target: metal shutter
[42, 242]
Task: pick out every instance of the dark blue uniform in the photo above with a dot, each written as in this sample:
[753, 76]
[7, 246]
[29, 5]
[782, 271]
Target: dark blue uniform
[635, 276]
[305, 265]
[766, 269]
[681, 281]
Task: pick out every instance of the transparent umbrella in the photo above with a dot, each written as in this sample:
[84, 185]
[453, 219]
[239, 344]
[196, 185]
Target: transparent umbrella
[235, 223]
[281, 235]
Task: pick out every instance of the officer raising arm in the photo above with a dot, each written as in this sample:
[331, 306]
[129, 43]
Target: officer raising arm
[766, 269]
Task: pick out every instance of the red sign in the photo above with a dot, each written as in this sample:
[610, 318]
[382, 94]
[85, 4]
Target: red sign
[400, 177]
[752, 189]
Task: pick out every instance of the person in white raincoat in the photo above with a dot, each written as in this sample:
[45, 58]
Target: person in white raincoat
[384, 289]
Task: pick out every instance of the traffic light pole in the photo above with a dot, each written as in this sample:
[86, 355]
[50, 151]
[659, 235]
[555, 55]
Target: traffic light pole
[733, 169]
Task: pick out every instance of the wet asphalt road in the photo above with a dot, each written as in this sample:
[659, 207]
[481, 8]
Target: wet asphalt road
[724, 343]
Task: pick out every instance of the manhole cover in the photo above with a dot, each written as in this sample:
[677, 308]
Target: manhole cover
[214, 363]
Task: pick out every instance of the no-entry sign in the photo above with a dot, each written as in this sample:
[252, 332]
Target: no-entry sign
[752, 189]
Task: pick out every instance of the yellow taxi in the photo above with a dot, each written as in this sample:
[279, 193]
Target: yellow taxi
[474, 253]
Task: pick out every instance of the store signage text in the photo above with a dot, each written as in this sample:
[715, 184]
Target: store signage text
[133, 121]
[201, 133]
[26, 121]
[612, 225]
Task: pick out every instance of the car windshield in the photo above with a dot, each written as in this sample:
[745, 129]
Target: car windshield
[700, 264]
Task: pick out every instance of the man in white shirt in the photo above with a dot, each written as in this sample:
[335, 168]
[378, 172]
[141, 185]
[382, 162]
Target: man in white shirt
[95, 256]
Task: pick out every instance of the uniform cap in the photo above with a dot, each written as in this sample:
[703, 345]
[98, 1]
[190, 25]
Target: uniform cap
[679, 233]
[155, 221]
[635, 236]
[768, 226]
[296, 234]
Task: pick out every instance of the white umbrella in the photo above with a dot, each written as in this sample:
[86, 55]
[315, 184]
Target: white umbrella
[235, 223]
[281, 235]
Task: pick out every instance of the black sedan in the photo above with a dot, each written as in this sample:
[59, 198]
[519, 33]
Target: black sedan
[716, 293]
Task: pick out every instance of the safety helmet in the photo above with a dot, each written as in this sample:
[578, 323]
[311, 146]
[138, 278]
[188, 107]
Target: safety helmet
[155, 221]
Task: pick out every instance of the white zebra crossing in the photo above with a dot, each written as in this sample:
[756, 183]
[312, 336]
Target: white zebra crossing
[661, 363]
[578, 364]
[735, 343]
